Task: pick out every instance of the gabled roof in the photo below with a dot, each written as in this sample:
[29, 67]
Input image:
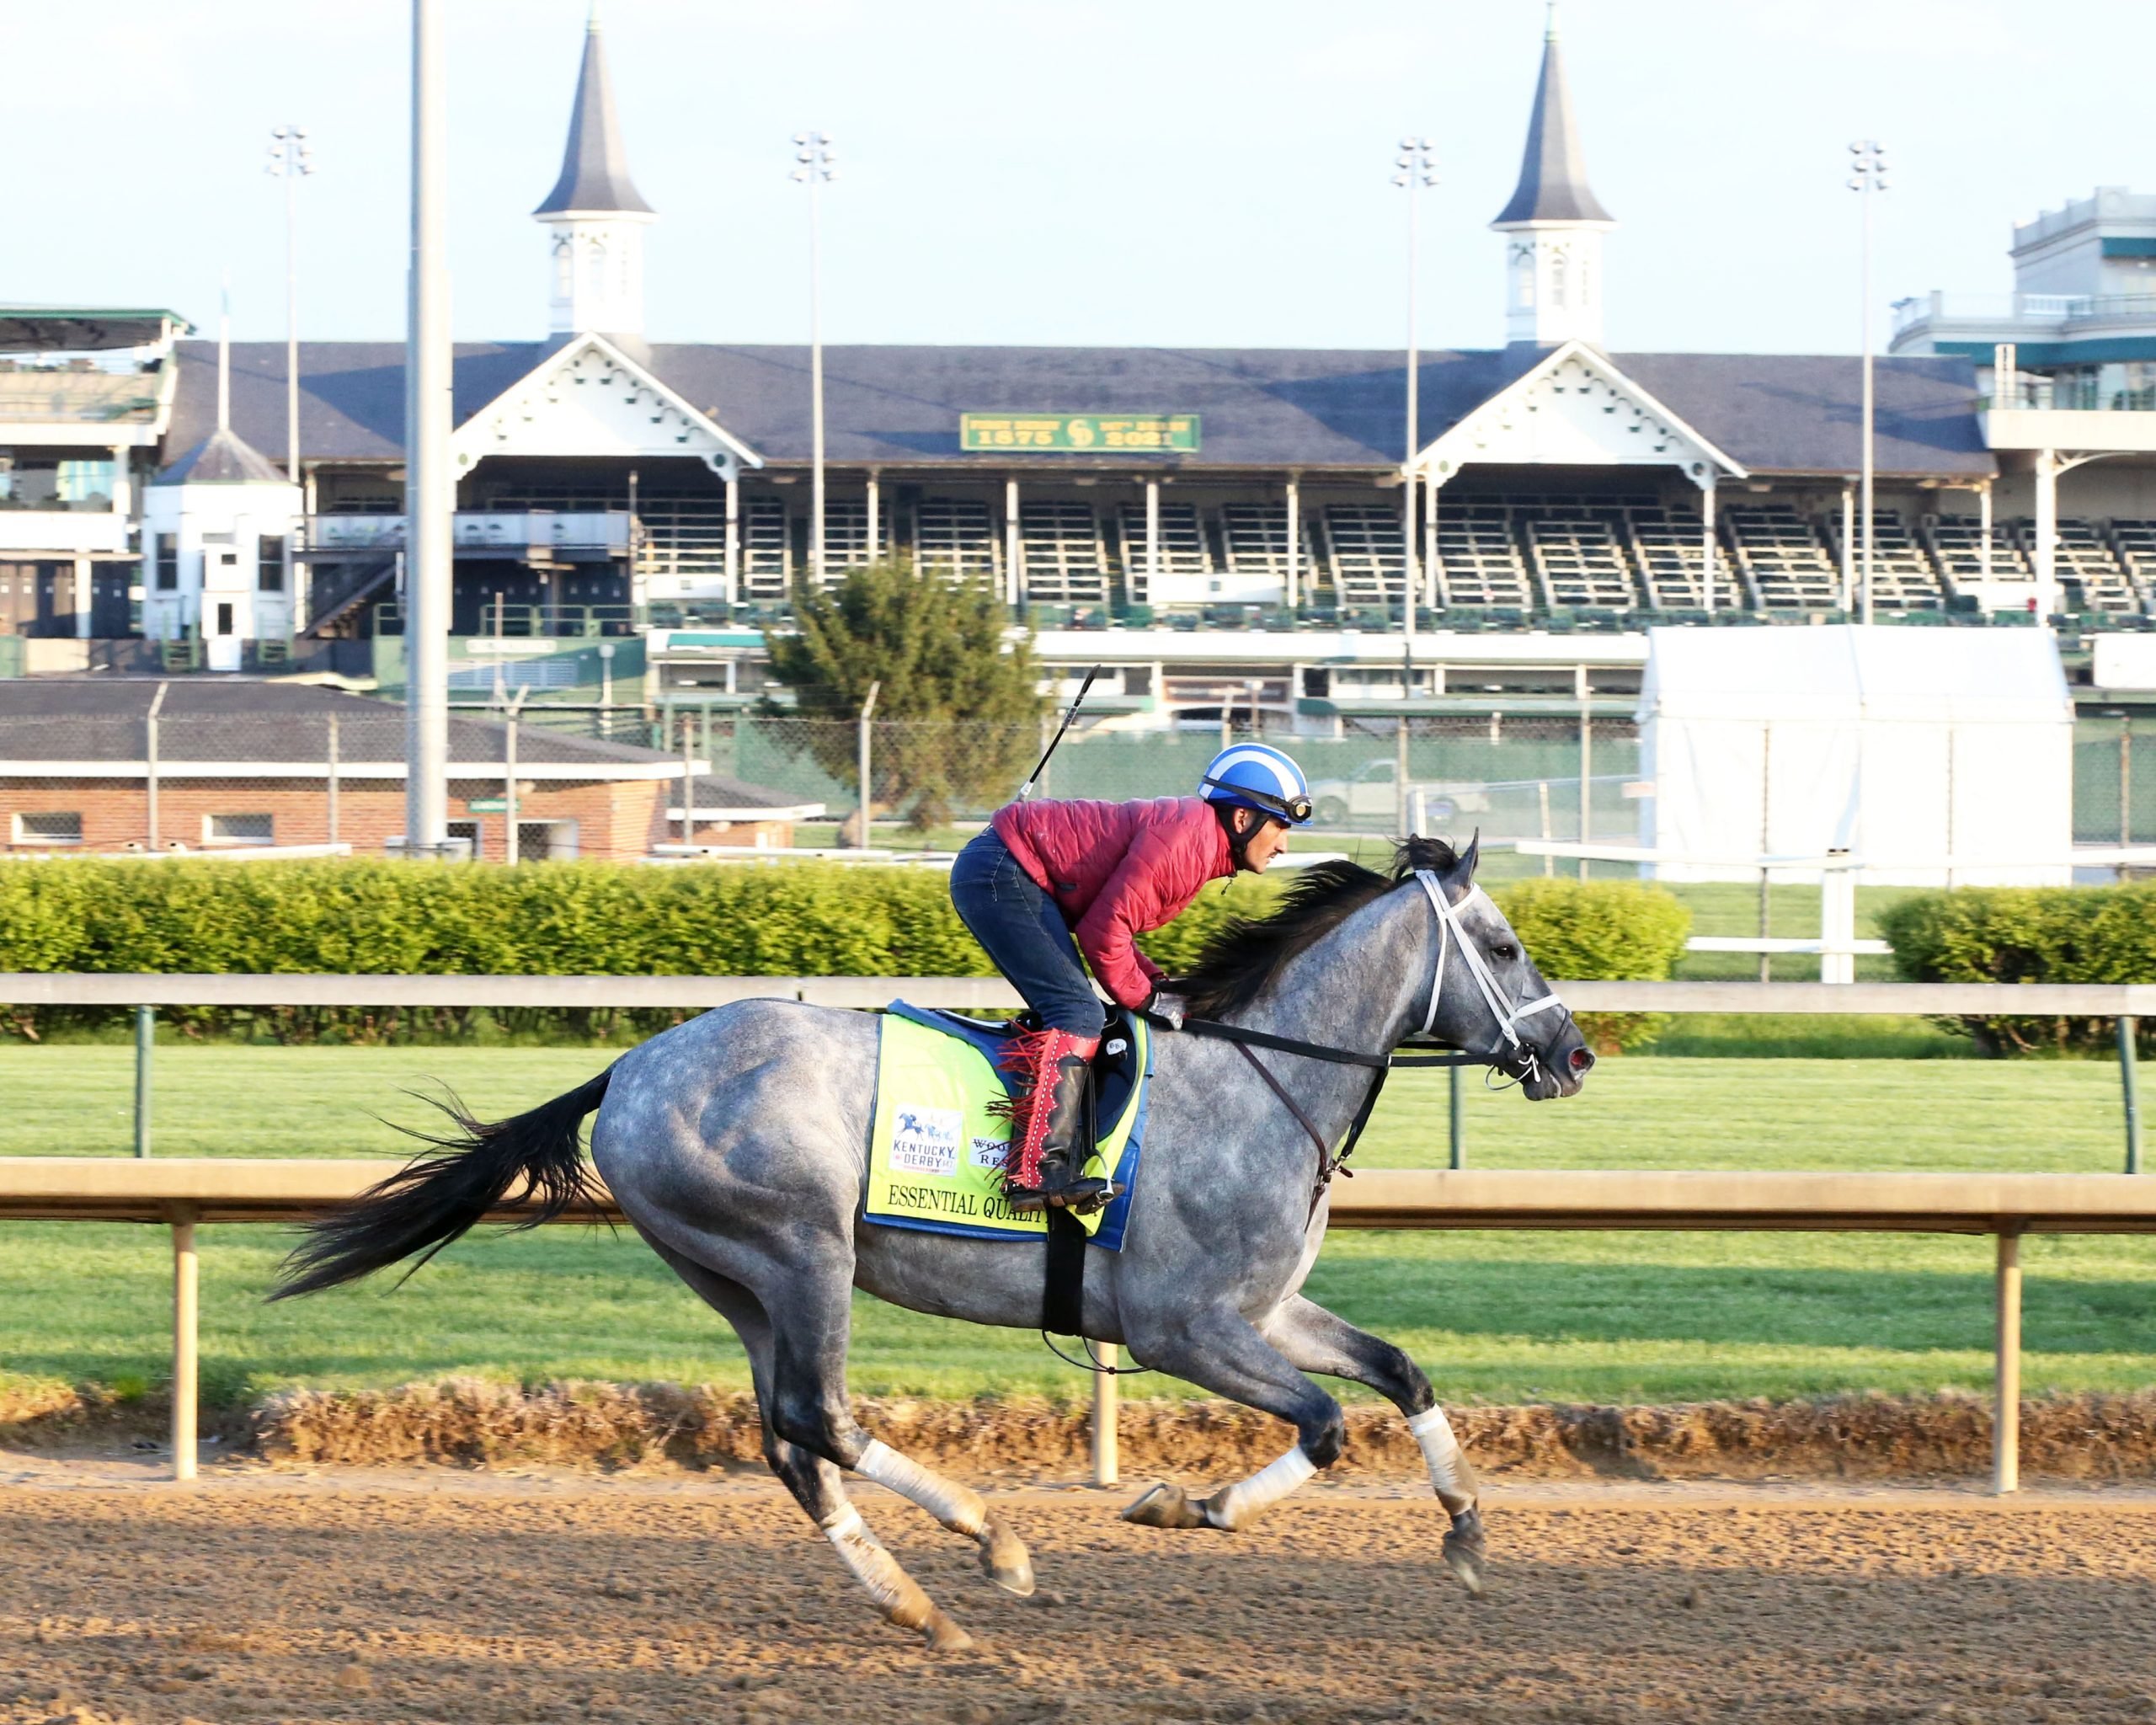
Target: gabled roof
[1264, 409]
[222, 458]
[1553, 172]
[594, 167]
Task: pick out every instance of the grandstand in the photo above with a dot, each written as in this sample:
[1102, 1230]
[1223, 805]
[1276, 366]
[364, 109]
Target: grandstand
[1180, 509]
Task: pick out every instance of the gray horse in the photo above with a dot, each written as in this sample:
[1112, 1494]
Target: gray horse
[736, 1144]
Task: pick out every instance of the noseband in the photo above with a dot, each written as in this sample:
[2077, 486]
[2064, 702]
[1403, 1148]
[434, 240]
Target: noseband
[1507, 1018]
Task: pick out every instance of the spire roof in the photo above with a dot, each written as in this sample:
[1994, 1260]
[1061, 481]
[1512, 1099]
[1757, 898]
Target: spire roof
[222, 458]
[594, 167]
[1552, 172]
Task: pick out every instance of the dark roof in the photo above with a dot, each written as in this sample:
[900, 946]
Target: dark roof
[221, 458]
[216, 718]
[717, 791]
[76, 329]
[1268, 408]
[1552, 172]
[595, 168]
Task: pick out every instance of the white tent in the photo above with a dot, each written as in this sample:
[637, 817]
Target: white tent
[1936, 756]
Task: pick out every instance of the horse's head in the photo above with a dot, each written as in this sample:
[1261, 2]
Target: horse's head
[1484, 996]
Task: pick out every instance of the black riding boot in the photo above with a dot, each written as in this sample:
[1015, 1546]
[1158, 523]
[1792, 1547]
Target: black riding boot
[1065, 1129]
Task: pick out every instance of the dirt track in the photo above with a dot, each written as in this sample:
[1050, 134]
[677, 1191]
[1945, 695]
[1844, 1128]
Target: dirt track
[436, 1596]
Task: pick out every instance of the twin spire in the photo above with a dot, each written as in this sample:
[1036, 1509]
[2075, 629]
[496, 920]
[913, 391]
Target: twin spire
[594, 176]
[1553, 172]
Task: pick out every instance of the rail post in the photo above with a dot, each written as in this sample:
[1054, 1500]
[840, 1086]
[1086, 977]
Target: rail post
[1107, 1465]
[186, 1288]
[2130, 1088]
[146, 1040]
[2006, 1419]
[1459, 1113]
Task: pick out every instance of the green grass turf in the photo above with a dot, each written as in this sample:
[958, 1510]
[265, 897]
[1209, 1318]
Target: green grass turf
[1502, 1317]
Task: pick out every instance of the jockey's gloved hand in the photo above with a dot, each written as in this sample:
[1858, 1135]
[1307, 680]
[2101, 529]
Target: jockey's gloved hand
[1169, 1009]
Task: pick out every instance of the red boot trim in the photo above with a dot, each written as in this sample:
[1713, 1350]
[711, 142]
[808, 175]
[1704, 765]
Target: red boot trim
[1034, 1055]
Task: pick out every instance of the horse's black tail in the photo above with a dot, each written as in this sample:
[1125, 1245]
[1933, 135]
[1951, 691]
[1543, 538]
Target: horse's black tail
[435, 1198]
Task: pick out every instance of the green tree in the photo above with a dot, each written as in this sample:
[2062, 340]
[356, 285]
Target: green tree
[958, 714]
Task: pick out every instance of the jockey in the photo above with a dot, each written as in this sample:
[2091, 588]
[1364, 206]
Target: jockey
[1049, 880]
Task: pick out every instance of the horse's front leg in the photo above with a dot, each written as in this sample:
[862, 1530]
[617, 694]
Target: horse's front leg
[1219, 1350]
[1315, 1340]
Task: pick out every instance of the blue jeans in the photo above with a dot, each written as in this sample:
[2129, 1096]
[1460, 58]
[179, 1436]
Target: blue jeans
[1019, 927]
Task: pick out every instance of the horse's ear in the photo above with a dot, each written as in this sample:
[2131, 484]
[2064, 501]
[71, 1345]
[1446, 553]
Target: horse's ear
[1464, 870]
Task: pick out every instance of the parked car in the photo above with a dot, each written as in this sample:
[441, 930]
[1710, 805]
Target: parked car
[1370, 797]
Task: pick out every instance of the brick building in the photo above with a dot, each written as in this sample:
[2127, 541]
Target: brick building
[129, 766]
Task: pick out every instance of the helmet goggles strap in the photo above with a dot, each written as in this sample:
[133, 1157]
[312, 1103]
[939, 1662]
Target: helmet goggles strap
[1449, 926]
[1295, 810]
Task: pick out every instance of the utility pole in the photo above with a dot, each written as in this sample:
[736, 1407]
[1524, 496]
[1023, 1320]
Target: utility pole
[429, 498]
[290, 159]
[862, 751]
[1413, 169]
[1868, 175]
[813, 151]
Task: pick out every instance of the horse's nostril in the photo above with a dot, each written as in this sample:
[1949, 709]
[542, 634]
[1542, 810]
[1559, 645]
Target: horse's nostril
[1579, 1061]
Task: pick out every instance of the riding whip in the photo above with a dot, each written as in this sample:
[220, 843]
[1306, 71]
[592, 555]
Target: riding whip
[1026, 790]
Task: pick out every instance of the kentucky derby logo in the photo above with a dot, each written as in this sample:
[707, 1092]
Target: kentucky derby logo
[926, 1141]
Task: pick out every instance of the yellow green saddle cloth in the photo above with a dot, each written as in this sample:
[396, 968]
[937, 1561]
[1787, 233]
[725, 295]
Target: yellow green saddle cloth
[936, 1152]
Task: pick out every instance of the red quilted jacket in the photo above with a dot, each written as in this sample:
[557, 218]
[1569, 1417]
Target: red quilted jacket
[1116, 870]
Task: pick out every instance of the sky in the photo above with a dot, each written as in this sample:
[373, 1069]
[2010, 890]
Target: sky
[1208, 173]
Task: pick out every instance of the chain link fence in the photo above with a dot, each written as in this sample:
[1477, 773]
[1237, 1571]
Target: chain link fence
[239, 781]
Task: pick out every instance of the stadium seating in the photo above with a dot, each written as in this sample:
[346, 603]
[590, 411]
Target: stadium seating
[1579, 561]
[766, 557]
[956, 536]
[1786, 566]
[1364, 552]
[1184, 547]
[1065, 563]
[1956, 546]
[1480, 562]
[2135, 543]
[1665, 547]
[2093, 578]
[1903, 577]
[1254, 536]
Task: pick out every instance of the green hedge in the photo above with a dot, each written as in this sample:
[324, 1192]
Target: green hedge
[599, 919]
[2027, 934]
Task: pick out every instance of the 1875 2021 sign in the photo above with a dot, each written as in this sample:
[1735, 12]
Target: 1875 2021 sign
[1082, 433]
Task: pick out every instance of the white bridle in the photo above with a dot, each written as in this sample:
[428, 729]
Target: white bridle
[1448, 926]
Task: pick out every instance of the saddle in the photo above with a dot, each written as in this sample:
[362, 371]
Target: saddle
[1118, 1065]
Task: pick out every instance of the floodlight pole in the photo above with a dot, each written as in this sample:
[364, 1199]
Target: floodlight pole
[813, 151]
[1413, 169]
[290, 158]
[430, 499]
[1868, 175]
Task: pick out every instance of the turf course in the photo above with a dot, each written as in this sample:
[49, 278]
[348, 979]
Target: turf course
[1500, 1316]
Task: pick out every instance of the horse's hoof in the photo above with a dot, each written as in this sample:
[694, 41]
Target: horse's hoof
[1165, 1505]
[1004, 1559]
[944, 1635]
[1465, 1551]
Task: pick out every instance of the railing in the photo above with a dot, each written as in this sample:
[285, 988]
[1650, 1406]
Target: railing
[509, 529]
[182, 1192]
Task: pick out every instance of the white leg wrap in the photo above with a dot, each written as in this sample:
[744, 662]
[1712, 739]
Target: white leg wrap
[1241, 1504]
[875, 1568]
[956, 1507]
[1440, 1449]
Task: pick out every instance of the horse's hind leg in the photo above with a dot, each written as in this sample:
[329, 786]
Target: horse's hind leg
[1317, 1341]
[813, 1479]
[810, 1409]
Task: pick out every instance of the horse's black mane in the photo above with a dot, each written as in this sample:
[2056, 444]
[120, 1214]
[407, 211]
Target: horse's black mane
[1239, 962]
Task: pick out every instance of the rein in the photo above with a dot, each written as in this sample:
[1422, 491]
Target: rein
[1330, 1161]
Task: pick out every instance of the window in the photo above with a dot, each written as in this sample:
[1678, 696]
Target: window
[224, 617]
[269, 564]
[239, 829]
[49, 828]
[167, 562]
[56, 482]
[1560, 260]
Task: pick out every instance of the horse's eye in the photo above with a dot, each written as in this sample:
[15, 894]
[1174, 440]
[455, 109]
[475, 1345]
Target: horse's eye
[1505, 955]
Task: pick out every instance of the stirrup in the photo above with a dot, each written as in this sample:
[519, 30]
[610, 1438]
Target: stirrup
[1081, 1196]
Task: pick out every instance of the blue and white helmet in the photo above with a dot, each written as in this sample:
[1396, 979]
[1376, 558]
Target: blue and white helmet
[1252, 776]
